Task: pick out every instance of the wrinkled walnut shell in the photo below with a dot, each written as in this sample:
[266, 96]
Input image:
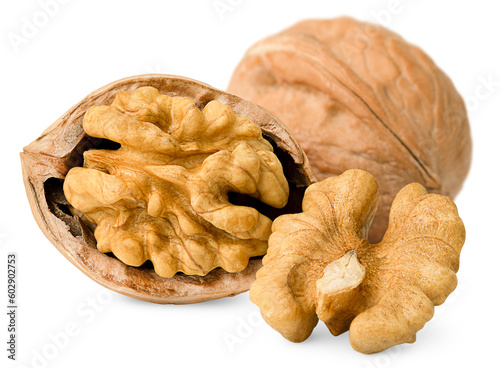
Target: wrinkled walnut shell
[358, 96]
[47, 160]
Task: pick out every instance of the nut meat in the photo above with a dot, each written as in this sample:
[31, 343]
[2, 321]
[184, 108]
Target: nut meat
[320, 265]
[163, 195]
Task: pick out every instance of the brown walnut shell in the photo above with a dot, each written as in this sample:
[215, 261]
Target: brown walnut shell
[358, 96]
[47, 160]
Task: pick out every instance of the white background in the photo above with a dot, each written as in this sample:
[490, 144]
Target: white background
[86, 44]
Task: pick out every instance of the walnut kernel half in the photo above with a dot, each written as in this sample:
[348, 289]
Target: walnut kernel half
[320, 265]
[163, 195]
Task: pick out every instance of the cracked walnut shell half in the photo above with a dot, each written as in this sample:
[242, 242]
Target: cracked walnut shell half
[320, 265]
[163, 188]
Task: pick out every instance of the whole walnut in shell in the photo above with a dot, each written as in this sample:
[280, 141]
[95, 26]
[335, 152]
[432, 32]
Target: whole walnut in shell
[163, 188]
[320, 265]
[358, 96]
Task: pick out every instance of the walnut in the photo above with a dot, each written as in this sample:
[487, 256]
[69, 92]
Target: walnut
[358, 96]
[170, 170]
[320, 265]
[163, 195]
